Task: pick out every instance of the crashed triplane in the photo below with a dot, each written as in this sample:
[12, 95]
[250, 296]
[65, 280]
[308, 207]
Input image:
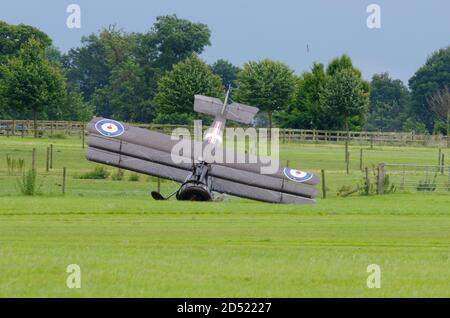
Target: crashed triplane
[120, 145]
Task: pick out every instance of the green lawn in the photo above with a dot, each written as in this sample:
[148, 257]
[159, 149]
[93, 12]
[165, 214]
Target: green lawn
[129, 245]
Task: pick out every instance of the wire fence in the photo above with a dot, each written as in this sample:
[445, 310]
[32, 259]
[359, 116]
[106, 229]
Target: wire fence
[422, 178]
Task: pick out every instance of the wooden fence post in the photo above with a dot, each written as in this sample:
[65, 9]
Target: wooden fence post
[347, 153]
[64, 180]
[361, 159]
[439, 157]
[82, 135]
[324, 187]
[47, 162]
[347, 161]
[51, 156]
[443, 163]
[381, 176]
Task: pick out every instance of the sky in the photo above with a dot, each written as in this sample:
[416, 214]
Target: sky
[296, 32]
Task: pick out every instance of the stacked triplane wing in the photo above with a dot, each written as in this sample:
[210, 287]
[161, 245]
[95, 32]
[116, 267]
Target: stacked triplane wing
[149, 152]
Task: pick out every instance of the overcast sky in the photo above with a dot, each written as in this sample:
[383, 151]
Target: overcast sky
[244, 30]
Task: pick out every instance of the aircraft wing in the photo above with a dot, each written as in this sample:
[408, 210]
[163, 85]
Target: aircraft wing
[216, 170]
[180, 175]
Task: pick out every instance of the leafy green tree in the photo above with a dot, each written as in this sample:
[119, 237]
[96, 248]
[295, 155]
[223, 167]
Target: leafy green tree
[126, 93]
[431, 77]
[94, 66]
[122, 97]
[266, 84]
[390, 103]
[176, 89]
[172, 39]
[346, 99]
[3, 109]
[87, 66]
[30, 82]
[118, 45]
[101, 103]
[345, 62]
[227, 72]
[306, 110]
[75, 108]
[339, 69]
[12, 37]
[309, 108]
[340, 63]
[103, 58]
[412, 124]
[54, 55]
[440, 105]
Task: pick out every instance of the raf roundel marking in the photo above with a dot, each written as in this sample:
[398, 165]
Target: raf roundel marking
[297, 175]
[109, 128]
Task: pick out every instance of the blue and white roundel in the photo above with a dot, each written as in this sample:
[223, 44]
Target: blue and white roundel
[297, 175]
[109, 128]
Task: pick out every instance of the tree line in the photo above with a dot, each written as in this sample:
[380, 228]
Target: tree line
[153, 76]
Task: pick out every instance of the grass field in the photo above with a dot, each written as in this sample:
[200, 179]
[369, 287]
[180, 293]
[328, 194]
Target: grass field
[129, 245]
